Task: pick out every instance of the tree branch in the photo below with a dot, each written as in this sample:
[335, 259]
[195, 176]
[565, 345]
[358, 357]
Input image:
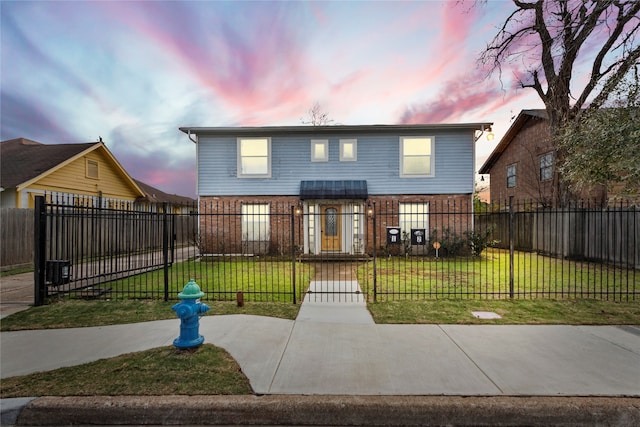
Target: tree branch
[596, 73]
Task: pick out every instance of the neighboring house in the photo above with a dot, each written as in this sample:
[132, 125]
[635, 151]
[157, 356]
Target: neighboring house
[333, 175]
[154, 197]
[523, 164]
[84, 174]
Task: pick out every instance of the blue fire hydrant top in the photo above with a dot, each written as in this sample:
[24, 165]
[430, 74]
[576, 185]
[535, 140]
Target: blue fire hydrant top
[191, 291]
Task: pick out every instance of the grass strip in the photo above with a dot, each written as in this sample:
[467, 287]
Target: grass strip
[79, 313]
[513, 312]
[160, 371]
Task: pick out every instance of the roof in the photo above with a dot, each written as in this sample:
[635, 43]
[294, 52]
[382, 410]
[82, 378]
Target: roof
[22, 160]
[519, 122]
[153, 195]
[333, 190]
[328, 130]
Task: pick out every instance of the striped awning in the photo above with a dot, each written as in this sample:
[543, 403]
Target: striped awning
[344, 189]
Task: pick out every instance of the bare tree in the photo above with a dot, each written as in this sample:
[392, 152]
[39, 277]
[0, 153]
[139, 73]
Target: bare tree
[547, 37]
[317, 117]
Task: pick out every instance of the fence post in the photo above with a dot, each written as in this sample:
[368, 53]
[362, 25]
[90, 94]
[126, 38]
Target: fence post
[39, 251]
[293, 253]
[375, 244]
[165, 250]
[511, 246]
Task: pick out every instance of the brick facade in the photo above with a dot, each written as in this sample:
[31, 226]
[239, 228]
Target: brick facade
[221, 221]
[524, 151]
[525, 144]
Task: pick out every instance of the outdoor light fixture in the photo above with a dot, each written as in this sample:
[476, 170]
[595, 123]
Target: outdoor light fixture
[490, 134]
[487, 130]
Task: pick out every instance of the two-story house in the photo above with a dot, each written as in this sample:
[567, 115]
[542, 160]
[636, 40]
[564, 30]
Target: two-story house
[332, 176]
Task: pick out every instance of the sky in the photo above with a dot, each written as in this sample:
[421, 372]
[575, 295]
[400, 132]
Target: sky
[133, 72]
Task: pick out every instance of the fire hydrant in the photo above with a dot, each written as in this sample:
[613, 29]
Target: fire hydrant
[188, 311]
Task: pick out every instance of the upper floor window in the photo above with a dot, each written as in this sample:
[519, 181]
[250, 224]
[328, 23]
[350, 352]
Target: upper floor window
[416, 156]
[319, 150]
[254, 157]
[511, 176]
[92, 169]
[348, 150]
[546, 167]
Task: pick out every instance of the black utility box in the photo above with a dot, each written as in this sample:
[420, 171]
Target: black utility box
[58, 272]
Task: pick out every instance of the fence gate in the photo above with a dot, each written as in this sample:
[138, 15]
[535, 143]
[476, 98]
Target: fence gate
[79, 248]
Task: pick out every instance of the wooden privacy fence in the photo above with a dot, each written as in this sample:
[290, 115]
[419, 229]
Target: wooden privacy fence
[609, 235]
[16, 231]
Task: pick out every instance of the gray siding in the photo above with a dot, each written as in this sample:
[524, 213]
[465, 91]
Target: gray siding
[378, 163]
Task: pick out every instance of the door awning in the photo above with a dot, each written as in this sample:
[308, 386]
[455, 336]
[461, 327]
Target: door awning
[345, 189]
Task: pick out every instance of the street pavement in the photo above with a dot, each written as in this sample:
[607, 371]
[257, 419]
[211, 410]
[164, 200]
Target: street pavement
[334, 348]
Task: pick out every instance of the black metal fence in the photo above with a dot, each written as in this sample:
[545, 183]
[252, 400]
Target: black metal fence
[380, 251]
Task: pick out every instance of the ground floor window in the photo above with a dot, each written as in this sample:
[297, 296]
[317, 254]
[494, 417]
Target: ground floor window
[414, 216]
[255, 222]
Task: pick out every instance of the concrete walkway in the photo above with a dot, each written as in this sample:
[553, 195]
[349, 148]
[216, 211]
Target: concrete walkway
[334, 348]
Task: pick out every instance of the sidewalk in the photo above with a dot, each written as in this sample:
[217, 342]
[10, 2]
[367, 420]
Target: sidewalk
[335, 349]
[16, 293]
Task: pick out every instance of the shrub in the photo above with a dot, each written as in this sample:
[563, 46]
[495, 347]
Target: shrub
[478, 241]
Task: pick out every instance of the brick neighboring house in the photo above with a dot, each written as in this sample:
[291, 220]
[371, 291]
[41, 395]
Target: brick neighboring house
[523, 164]
[332, 176]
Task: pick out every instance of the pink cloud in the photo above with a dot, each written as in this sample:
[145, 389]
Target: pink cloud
[252, 67]
[458, 98]
[172, 179]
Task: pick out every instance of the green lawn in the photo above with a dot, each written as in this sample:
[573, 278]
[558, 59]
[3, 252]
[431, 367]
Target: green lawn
[221, 279]
[396, 278]
[487, 276]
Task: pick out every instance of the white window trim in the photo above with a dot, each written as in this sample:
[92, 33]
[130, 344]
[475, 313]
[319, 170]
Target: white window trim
[239, 158]
[255, 222]
[432, 157]
[413, 215]
[324, 142]
[355, 150]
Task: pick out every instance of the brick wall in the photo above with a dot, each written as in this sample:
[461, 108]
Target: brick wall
[221, 225]
[221, 221]
[525, 151]
[449, 215]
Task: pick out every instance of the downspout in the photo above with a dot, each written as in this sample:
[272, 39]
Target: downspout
[473, 177]
[189, 135]
[195, 141]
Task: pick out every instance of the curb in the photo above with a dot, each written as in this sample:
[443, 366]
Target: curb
[332, 410]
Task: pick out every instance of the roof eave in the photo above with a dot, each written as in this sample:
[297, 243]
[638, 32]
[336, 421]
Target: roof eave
[273, 130]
